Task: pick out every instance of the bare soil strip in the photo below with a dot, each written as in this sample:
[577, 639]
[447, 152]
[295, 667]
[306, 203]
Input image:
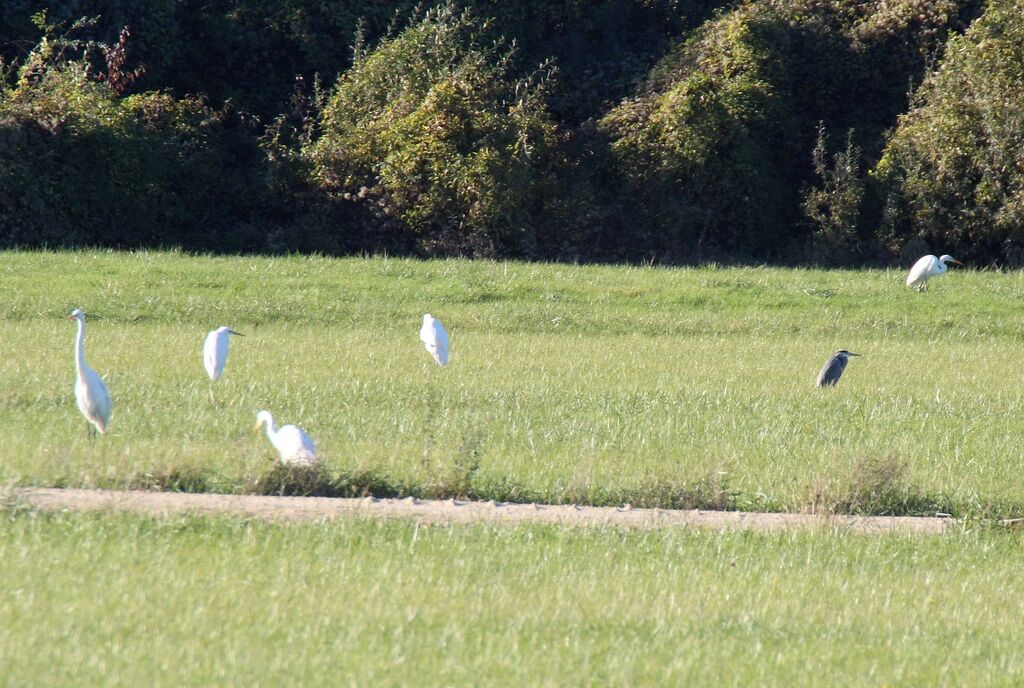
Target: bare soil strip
[452, 511]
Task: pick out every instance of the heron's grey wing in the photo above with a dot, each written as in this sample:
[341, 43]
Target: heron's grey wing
[833, 369]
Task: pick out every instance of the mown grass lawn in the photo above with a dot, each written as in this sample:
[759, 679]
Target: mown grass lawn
[597, 384]
[104, 600]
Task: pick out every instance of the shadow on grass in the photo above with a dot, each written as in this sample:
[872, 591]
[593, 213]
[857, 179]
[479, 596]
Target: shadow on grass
[178, 479]
[871, 487]
[875, 487]
[710, 492]
[295, 481]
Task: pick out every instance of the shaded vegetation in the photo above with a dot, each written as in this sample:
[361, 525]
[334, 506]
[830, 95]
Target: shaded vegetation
[717, 147]
[430, 129]
[954, 168]
[820, 131]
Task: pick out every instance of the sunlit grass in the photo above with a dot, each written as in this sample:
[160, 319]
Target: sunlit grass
[132, 601]
[567, 383]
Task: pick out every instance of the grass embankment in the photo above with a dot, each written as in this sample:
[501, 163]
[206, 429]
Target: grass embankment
[599, 385]
[132, 601]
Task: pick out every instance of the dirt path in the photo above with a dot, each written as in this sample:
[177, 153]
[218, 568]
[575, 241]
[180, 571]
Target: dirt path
[451, 511]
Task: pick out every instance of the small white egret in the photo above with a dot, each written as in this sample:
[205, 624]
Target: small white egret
[926, 267]
[215, 351]
[292, 444]
[434, 337]
[91, 393]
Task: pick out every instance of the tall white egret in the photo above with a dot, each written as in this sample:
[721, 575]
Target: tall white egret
[292, 444]
[926, 267]
[215, 351]
[434, 337]
[91, 392]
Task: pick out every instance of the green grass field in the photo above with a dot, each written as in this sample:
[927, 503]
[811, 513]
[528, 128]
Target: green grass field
[130, 601]
[603, 385]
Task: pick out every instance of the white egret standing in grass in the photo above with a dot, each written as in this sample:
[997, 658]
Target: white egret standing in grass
[435, 339]
[292, 444]
[215, 351]
[926, 267]
[91, 393]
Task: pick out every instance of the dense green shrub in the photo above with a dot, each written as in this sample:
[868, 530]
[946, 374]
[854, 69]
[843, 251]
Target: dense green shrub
[81, 165]
[250, 51]
[834, 204]
[431, 130]
[601, 47]
[954, 169]
[642, 139]
[718, 144]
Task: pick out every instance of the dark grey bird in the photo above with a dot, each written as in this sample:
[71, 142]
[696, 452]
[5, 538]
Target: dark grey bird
[834, 368]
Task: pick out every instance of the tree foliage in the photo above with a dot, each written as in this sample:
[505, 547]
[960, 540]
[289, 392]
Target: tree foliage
[719, 142]
[432, 128]
[954, 168]
[80, 165]
[822, 131]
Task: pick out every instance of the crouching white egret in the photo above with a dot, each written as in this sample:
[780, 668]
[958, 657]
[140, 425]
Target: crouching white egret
[926, 267]
[215, 351]
[91, 392]
[434, 337]
[292, 444]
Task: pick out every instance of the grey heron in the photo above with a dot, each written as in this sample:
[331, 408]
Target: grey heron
[928, 266]
[834, 368]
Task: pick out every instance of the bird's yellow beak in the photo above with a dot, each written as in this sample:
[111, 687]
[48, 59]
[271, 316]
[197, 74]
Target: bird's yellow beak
[957, 262]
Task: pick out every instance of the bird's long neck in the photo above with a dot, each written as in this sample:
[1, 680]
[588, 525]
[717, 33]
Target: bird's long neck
[271, 430]
[80, 348]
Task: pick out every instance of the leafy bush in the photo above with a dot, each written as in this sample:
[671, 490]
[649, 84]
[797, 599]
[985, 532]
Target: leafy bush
[444, 139]
[81, 166]
[433, 133]
[247, 52]
[601, 48]
[250, 51]
[954, 168]
[834, 206]
[719, 142]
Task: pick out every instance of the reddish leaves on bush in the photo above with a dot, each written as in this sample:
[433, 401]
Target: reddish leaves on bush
[116, 77]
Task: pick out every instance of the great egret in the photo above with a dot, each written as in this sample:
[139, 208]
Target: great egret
[926, 267]
[215, 351]
[435, 339]
[292, 444]
[91, 392]
[834, 367]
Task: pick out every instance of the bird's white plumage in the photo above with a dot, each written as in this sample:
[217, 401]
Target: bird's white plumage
[435, 339]
[215, 351]
[91, 392]
[294, 447]
[927, 267]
